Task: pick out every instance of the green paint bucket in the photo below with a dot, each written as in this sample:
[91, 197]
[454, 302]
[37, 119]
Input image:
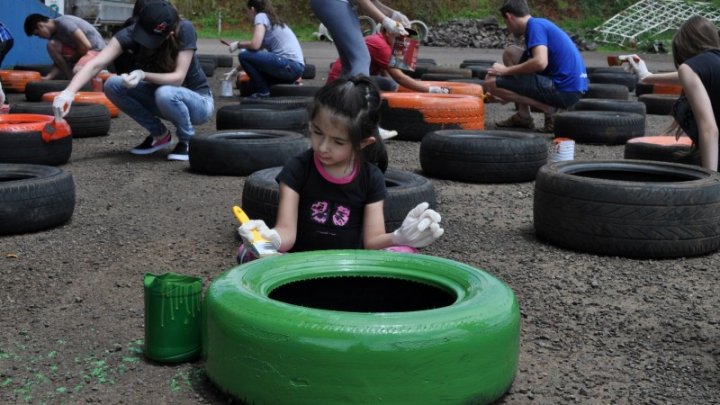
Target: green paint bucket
[172, 317]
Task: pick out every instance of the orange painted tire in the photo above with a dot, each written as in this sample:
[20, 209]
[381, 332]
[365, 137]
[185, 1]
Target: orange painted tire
[14, 81]
[90, 97]
[34, 139]
[667, 89]
[664, 148]
[468, 89]
[415, 114]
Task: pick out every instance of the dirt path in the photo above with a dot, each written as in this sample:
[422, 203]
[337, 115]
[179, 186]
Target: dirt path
[598, 330]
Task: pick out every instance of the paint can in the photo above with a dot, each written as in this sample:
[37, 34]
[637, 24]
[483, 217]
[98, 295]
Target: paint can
[173, 321]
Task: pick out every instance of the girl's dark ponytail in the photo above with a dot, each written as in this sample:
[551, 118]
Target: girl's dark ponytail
[357, 99]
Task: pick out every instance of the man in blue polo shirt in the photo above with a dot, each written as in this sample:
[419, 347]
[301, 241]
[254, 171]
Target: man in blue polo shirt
[549, 74]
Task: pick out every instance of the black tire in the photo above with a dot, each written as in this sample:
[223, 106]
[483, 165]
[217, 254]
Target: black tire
[658, 104]
[631, 208]
[86, 120]
[35, 90]
[209, 59]
[638, 149]
[240, 153]
[483, 156]
[599, 127]
[309, 71]
[628, 80]
[442, 77]
[34, 197]
[29, 147]
[265, 116]
[643, 88]
[283, 90]
[287, 101]
[426, 61]
[405, 191]
[208, 68]
[225, 61]
[478, 72]
[477, 62]
[605, 69]
[415, 328]
[607, 91]
[598, 104]
[420, 69]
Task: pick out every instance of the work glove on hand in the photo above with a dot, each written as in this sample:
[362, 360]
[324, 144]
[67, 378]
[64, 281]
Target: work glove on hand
[401, 18]
[438, 90]
[62, 102]
[393, 27]
[233, 46]
[420, 227]
[635, 65]
[245, 231]
[133, 78]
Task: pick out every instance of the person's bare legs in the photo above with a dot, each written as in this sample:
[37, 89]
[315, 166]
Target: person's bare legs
[60, 64]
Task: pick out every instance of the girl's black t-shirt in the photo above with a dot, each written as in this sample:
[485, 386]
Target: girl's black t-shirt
[330, 215]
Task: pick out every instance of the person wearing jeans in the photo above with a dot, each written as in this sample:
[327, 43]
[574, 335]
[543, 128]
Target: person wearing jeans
[273, 55]
[167, 83]
[147, 103]
[340, 17]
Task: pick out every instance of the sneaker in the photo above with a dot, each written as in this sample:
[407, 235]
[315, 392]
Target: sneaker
[386, 133]
[516, 121]
[152, 145]
[181, 152]
[260, 95]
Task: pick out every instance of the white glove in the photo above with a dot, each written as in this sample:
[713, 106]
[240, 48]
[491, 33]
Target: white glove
[133, 78]
[420, 227]
[233, 46]
[245, 231]
[635, 65]
[401, 18]
[438, 90]
[393, 27]
[62, 102]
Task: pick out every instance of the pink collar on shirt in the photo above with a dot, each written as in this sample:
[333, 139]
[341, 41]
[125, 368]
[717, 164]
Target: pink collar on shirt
[335, 180]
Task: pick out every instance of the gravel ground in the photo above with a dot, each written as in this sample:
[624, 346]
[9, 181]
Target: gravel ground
[603, 330]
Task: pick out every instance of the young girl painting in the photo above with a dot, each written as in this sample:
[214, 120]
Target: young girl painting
[331, 196]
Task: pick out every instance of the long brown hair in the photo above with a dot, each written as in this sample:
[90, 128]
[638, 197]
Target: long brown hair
[695, 36]
[264, 6]
[160, 60]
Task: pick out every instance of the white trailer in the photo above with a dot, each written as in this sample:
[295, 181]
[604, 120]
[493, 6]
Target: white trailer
[103, 14]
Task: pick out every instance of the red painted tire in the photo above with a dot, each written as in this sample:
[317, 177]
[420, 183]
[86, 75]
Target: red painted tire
[14, 81]
[467, 89]
[34, 139]
[89, 97]
[415, 114]
[662, 148]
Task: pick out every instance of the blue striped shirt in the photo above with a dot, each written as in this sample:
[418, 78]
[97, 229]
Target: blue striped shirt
[5, 34]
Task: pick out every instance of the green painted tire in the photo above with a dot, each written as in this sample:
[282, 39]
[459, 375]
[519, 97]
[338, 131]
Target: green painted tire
[360, 326]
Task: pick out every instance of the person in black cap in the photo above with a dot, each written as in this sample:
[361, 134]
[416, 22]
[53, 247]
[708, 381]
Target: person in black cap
[168, 81]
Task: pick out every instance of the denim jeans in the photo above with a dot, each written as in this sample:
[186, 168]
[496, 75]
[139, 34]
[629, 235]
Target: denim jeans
[341, 20]
[147, 103]
[267, 68]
